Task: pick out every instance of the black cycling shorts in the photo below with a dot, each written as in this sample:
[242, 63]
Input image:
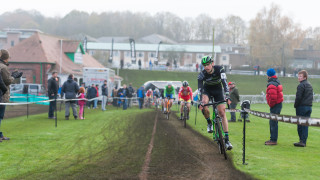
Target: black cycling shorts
[214, 92]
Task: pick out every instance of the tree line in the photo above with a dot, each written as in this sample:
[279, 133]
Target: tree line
[270, 36]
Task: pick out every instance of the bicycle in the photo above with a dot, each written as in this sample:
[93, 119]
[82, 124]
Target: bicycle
[167, 111]
[218, 133]
[185, 113]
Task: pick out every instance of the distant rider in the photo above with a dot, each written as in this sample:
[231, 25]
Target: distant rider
[185, 96]
[169, 94]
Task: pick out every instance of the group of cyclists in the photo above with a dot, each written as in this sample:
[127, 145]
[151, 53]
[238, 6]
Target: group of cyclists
[212, 84]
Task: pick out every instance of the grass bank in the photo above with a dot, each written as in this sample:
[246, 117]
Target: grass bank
[283, 161]
[247, 85]
[104, 145]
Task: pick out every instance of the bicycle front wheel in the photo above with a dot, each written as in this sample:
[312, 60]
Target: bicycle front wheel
[221, 143]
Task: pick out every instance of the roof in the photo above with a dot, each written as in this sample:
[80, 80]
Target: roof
[42, 48]
[153, 47]
[70, 46]
[81, 36]
[108, 39]
[155, 39]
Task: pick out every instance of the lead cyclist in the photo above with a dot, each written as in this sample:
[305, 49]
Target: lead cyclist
[211, 83]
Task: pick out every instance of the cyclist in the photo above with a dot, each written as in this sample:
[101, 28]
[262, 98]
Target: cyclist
[185, 95]
[156, 96]
[169, 94]
[211, 83]
[149, 95]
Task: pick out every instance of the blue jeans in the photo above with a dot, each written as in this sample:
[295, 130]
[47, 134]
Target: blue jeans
[304, 111]
[274, 124]
[2, 110]
[95, 103]
[125, 104]
[141, 102]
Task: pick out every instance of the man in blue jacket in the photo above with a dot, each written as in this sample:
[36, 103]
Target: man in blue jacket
[70, 88]
[140, 95]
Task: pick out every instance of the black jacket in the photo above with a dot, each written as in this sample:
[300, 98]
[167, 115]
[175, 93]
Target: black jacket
[304, 95]
[123, 91]
[52, 86]
[91, 93]
[70, 88]
[104, 89]
[130, 91]
[3, 88]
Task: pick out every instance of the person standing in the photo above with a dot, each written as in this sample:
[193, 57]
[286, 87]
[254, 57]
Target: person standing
[140, 95]
[53, 88]
[97, 96]
[274, 98]
[104, 90]
[235, 99]
[114, 95]
[303, 105]
[150, 65]
[81, 102]
[121, 63]
[92, 93]
[7, 79]
[70, 88]
[123, 93]
[139, 63]
[130, 94]
[197, 67]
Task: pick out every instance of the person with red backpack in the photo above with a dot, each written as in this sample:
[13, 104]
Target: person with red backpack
[274, 98]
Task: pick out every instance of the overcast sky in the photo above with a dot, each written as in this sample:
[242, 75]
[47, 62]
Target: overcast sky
[304, 12]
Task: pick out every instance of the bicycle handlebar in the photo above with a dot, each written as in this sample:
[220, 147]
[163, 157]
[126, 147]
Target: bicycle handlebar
[216, 103]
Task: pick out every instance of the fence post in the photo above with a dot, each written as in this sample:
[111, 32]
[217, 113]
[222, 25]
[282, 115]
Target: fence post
[244, 105]
[28, 105]
[55, 109]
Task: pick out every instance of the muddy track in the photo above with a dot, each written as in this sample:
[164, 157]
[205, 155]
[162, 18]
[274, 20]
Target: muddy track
[181, 153]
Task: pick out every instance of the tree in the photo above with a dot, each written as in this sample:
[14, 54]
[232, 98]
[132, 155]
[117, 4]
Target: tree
[273, 37]
[236, 29]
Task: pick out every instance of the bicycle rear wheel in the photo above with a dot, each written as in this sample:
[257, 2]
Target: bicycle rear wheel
[185, 112]
[221, 142]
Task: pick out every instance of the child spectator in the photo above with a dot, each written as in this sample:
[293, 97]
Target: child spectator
[81, 102]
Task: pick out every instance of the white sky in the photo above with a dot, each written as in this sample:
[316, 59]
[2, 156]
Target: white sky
[304, 12]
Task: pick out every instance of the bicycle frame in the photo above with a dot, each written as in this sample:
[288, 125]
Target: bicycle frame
[218, 133]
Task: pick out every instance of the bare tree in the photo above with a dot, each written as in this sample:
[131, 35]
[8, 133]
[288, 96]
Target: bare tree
[273, 37]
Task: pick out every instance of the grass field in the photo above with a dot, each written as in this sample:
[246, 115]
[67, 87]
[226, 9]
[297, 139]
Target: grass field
[247, 85]
[101, 144]
[283, 161]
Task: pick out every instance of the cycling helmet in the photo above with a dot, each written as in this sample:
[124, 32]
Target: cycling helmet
[206, 60]
[185, 84]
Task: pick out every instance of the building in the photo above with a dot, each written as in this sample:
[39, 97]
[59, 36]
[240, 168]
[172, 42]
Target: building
[185, 55]
[38, 56]
[10, 37]
[305, 59]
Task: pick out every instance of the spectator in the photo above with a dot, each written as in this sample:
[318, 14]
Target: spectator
[274, 98]
[114, 95]
[235, 99]
[123, 93]
[197, 67]
[303, 105]
[81, 102]
[150, 65]
[53, 88]
[139, 63]
[140, 95]
[130, 94]
[121, 63]
[70, 88]
[97, 96]
[85, 89]
[104, 90]
[92, 93]
[5, 84]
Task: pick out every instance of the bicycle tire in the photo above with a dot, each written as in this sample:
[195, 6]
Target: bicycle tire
[185, 109]
[221, 142]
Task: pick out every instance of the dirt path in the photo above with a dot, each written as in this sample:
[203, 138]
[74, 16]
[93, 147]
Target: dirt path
[180, 153]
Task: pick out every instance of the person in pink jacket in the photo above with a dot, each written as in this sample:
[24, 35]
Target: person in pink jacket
[81, 102]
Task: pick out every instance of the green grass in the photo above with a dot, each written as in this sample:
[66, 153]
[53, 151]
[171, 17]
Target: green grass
[247, 85]
[101, 142]
[283, 161]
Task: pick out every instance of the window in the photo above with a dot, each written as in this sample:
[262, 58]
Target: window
[140, 54]
[200, 56]
[151, 55]
[12, 43]
[224, 58]
[128, 54]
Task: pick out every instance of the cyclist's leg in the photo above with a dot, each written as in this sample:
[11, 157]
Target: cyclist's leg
[222, 113]
[171, 100]
[181, 108]
[165, 104]
[205, 111]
